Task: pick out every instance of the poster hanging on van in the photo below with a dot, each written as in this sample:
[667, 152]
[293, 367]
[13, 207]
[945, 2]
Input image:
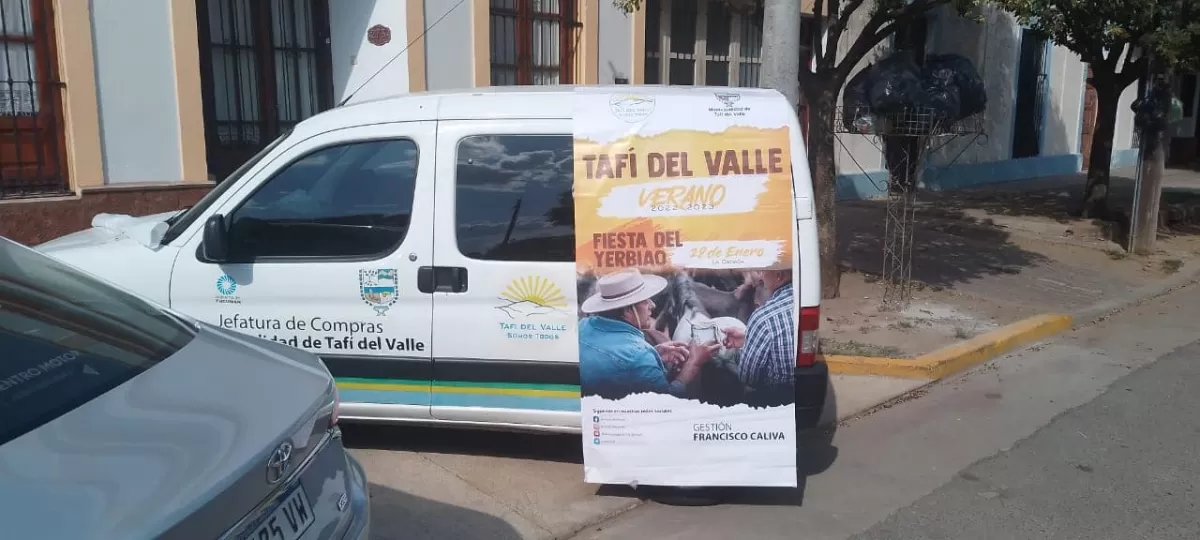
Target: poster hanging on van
[684, 259]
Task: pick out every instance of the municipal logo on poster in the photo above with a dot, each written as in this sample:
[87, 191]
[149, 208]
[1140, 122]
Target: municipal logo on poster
[631, 108]
[729, 105]
[378, 288]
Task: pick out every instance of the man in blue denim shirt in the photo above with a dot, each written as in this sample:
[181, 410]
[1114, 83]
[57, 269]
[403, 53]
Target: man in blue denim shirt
[614, 358]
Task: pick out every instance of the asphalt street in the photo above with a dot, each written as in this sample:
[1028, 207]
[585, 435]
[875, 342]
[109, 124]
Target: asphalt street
[1123, 466]
[1091, 435]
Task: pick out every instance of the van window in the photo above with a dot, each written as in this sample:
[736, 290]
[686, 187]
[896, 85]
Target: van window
[66, 338]
[346, 201]
[513, 199]
[184, 219]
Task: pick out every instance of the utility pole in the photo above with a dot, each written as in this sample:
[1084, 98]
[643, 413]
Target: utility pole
[781, 48]
[1147, 192]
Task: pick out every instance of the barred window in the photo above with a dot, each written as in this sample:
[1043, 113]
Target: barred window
[703, 42]
[533, 41]
[31, 144]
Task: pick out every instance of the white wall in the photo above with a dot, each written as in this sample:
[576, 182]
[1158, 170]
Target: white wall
[1124, 138]
[448, 46]
[355, 60]
[994, 48]
[616, 44]
[859, 154]
[1064, 117]
[135, 91]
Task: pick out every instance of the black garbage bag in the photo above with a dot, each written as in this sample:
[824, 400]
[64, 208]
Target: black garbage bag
[856, 111]
[894, 85]
[1150, 111]
[944, 103]
[944, 71]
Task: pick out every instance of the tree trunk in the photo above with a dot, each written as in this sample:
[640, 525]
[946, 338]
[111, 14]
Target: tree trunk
[1095, 198]
[821, 152]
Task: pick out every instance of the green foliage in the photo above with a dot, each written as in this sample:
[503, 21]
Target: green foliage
[630, 6]
[1091, 27]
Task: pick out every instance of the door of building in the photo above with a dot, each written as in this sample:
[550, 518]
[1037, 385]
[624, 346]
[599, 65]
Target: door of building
[1089, 120]
[1031, 88]
[31, 135]
[265, 66]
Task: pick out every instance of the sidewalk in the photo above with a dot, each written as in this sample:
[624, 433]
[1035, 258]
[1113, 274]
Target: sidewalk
[987, 258]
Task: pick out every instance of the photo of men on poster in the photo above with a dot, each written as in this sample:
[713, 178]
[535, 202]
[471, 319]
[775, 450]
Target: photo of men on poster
[685, 253]
[720, 337]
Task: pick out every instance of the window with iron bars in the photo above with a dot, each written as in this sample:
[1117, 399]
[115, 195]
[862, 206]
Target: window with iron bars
[533, 41]
[703, 42]
[31, 136]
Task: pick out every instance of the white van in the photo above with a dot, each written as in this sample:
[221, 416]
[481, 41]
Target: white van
[395, 238]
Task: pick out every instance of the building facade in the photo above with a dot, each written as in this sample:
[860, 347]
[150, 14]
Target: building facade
[1037, 122]
[138, 106]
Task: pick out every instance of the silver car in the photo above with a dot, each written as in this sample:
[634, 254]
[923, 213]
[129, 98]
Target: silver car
[120, 419]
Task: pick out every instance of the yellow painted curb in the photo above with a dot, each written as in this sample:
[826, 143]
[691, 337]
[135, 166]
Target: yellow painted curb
[956, 357]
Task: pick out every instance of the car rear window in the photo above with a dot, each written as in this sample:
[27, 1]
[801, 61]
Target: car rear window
[66, 337]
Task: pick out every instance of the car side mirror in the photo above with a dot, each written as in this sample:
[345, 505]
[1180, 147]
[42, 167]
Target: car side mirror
[216, 239]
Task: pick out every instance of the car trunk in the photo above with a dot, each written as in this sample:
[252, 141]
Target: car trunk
[179, 451]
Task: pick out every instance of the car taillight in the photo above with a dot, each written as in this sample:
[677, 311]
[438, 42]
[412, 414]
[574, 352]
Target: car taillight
[337, 402]
[807, 340]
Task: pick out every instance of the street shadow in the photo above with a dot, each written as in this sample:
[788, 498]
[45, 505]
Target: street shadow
[1059, 200]
[815, 451]
[532, 446]
[945, 252]
[397, 515]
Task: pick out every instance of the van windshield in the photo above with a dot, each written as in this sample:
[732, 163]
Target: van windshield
[181, 221]
[66, 338]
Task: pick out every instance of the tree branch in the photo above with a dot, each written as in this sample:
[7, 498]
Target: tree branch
[818, 44]
[843, 18]
[874, 32]
[835, 14]
[1131, 72]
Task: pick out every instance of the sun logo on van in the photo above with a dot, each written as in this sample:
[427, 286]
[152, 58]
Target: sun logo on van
[529, 296]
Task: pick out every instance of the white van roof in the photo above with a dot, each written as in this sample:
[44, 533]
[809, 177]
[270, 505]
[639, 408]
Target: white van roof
[492, 102]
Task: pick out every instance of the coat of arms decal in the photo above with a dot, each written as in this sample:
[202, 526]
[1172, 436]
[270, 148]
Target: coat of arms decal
[378, 288]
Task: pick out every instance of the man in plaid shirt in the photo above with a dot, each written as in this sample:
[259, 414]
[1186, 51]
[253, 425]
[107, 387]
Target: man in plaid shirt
[767, 355]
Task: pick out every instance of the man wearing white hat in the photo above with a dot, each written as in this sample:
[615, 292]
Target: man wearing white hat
[615, 359]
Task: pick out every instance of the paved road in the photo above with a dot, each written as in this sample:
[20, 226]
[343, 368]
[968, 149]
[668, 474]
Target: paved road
[1089, 436]
[1125, 465]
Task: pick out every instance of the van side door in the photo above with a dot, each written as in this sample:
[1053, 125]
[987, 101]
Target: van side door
[324, 248]
[504, 301]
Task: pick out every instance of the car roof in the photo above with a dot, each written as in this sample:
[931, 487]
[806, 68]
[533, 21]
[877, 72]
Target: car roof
[492, 102]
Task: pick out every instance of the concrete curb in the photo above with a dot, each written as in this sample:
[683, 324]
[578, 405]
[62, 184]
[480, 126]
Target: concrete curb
[958, 356]
[1190, 273]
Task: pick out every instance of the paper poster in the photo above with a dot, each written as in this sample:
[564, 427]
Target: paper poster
[687, 334]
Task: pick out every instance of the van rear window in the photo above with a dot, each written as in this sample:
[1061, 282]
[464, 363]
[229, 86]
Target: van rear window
[66, 338]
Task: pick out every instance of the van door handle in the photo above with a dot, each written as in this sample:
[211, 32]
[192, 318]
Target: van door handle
[451, 279]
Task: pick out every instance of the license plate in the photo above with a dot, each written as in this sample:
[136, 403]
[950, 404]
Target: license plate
[288, 521]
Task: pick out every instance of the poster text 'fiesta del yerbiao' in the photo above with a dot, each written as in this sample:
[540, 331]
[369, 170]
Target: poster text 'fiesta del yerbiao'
[684, 255]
